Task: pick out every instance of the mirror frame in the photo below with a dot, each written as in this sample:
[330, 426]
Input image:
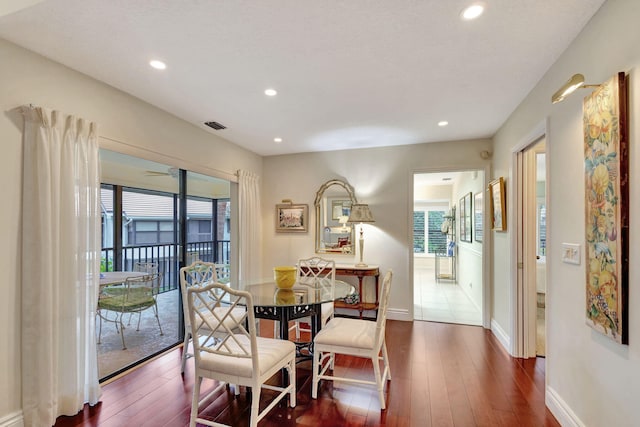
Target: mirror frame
[318, 202]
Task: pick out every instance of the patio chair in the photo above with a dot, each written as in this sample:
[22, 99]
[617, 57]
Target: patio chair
[354, 337]
[146, 267]
[224, 350]
[135, 296]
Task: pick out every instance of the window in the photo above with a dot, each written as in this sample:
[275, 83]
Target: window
[418, 232]
[428, 237]
[436, 238]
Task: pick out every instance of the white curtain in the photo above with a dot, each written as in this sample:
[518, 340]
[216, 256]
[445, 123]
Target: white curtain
[60, 265]
[249, 228]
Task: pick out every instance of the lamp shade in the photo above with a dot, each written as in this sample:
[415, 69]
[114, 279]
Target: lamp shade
[360, 212]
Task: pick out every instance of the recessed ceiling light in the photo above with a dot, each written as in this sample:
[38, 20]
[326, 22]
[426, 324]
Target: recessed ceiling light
[446, 179]
[472, 12]
[443, 123]
[158, 65]
[277, 140]
[270, 92]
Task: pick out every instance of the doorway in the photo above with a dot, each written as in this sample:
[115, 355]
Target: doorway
[447, 244]
[161, 216]
[532, 238]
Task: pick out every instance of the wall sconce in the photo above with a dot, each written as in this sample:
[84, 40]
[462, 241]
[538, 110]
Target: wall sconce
[361, 213]
[575, 82]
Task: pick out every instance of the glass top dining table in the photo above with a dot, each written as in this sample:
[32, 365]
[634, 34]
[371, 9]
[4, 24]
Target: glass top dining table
[302, 300]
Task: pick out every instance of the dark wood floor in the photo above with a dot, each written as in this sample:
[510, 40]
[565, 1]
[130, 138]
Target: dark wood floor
[442, 375]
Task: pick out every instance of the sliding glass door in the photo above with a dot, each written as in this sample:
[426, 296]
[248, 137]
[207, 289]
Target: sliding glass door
[156, 218]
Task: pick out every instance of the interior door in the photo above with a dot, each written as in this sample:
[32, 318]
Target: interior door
[531, 234]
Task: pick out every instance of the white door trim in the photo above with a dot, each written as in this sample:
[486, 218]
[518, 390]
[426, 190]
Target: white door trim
[518, 313]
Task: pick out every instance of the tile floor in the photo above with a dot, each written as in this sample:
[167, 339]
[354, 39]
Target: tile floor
[442, 301]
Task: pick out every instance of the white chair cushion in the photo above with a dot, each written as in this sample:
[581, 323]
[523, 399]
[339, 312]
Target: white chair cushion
[345, 332]
[272, 352]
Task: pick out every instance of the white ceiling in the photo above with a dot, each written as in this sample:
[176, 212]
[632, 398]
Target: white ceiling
[350, 74]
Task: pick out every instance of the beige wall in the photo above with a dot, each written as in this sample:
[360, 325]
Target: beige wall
[141, 130]
[590, 379]
[381, 177]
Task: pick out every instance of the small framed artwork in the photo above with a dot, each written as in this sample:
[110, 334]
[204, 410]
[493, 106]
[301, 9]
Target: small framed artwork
[292, 218]
[477, 217]
[498, 205]
[465, 218]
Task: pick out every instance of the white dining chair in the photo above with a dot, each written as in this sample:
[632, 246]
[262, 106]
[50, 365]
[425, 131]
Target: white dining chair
[227, 349]
[354, 337]
[318, 272]
[199, 273]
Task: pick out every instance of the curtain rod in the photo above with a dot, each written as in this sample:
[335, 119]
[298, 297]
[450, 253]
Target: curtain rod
[229, 176]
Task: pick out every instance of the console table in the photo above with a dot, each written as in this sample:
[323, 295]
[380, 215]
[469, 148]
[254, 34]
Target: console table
[360, 273]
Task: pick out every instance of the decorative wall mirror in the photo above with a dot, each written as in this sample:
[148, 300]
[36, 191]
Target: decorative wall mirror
[333, 206]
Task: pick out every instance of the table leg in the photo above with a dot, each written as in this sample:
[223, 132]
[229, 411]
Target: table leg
[360, 297]
[284, 325]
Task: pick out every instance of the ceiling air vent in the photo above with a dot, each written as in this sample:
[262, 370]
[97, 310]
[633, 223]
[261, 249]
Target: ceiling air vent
[215, 125]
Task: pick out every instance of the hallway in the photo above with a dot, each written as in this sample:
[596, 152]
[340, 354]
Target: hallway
[442, 301]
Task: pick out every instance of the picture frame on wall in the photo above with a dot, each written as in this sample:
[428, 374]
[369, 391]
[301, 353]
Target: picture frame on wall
[292, 218]
[477, 217]
[606, 169]
[498, 205]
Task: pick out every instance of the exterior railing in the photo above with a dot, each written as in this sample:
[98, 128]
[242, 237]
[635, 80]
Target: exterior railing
[166, 256]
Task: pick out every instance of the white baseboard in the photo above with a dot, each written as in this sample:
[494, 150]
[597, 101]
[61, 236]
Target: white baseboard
[399, 314]
[502, 336]
[559, 408]
[392, 313]
[12, 420]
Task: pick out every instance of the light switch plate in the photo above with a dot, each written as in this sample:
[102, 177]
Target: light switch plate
[571, 253]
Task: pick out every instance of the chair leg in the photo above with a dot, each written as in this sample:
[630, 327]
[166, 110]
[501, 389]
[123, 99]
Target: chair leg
[124, 346]
[385, 357]
[185, 347]
[292, 380]
[316, 370]
[194, 401]
[379, 380]
[255, 403]
[155, 311]
[139, 316]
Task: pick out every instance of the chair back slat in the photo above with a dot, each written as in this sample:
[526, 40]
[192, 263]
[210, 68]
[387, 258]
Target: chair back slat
[199, 273]
[219, 317]
[317, 272]
[140, 288]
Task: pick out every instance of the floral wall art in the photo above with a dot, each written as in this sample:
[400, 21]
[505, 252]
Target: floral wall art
[607, 208]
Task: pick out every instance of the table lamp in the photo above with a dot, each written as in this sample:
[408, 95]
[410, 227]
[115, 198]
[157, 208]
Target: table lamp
[360, 213]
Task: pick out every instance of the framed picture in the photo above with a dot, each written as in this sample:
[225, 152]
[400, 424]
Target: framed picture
[465, 218]
[498, 205]
[477, 217]
[606, 170]
[292, 218]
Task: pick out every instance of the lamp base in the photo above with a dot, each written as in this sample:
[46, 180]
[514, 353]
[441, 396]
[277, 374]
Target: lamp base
[361, 264]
